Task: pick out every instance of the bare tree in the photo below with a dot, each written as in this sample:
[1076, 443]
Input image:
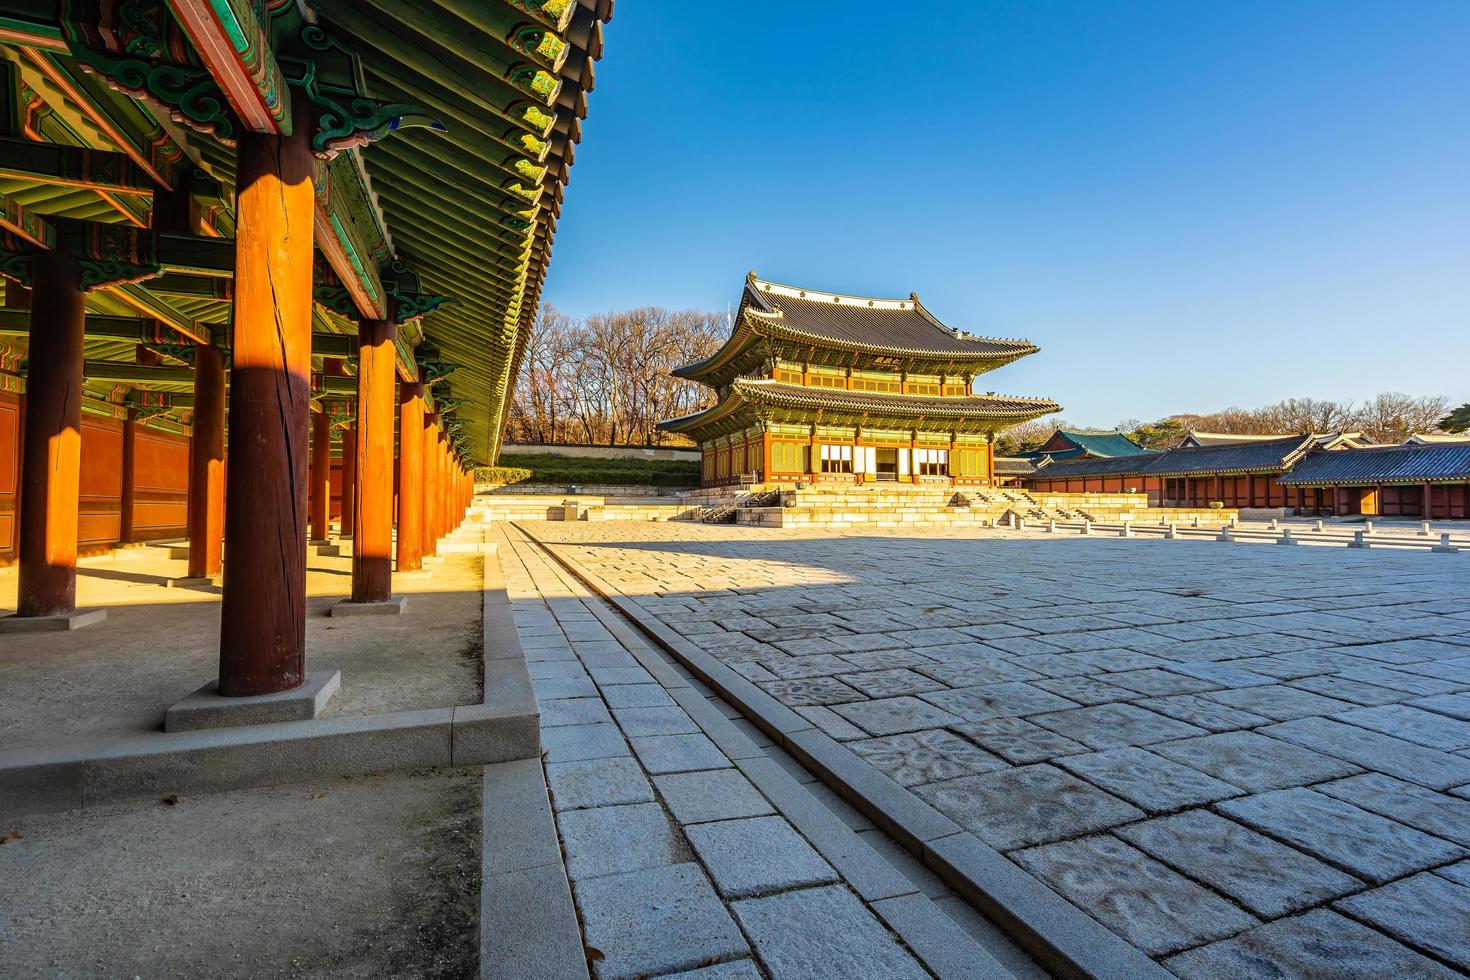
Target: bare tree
[606, 378]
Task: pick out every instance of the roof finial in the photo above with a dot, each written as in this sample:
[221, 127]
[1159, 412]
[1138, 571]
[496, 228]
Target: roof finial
[750, 274]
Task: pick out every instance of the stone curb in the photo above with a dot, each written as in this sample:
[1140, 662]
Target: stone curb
[1061, 937]
[528, 924]
[94, 772]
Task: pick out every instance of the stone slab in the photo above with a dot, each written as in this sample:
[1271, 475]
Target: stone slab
[597, 783]
[518, 828]
[1149, 905]
[755, 855]
[1320, 945]
[1146, 780]
[1110, 726]
[1423, 809]
[392, 606]
[1267, 877]
[823, 934]
[937, 939]
[1372, 847]
[1428, 911]
[207, 708]
[575, 742]
[1061, 937]
[656, 921]
[614, 840]
[1029, 805]
[51, 624]
[528, 927]
[713, 794]
[1376, 751]
[914, 758]
[1254, 762]
[678, 753]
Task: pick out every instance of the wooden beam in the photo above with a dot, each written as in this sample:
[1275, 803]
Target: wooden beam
[72, 166]
[236, 49]
[139, 375]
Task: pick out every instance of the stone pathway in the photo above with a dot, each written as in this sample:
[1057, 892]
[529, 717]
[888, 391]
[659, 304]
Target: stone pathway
[1244, 760]
[694, 846]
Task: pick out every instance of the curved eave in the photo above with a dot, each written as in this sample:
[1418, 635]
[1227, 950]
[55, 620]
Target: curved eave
[831, 404]
[755, 325]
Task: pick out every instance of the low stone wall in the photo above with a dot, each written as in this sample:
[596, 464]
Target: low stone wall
[566, 489]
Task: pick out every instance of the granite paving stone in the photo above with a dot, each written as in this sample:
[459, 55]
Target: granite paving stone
[925, 757]
[890, 683]
[1209, 715]
[889, 716]
[1375, 751]
[1279, 703]
[636, 696]
[573, 742]
[823, 934]
[1367, 845]
[1029, 805]
[1347, 689]
[1254, 762]
[1459, 873]
[597, 783]
[1005, 700]
[1017, 740]
[1267, 877]
[1400, 910]
[1423, 809]
[573, 711]
[678, 753]
[615, 839]
[1154, 682]
[1154, 908]
[757, 855]
[810, 691]
[1085, 690]
[655, 921]
[1148, 781]
[713, 794]
[1320, 945]
[654, 720]
[1453, 705]
[1413, 724]
[1108, 726]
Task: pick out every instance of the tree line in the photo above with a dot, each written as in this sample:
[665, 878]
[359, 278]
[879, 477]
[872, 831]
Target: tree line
[605, 379]
[1389, 417]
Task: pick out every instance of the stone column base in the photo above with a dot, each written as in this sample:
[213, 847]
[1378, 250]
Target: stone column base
[207, 708]
[74, 620]
[389, 607]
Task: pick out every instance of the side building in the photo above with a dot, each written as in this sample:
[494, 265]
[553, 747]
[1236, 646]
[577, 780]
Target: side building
[824, 387]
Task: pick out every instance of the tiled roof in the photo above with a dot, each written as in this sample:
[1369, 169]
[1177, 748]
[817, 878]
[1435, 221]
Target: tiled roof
[899, 325]
[1014, 466]
[1248, 457]
[1394, 464]
[1110, 466]
[1103, 443]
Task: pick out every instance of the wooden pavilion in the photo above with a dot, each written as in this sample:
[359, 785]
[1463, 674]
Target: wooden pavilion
[268, 233]
[816, 386]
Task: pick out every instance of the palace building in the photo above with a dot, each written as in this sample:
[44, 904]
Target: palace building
[823, 387]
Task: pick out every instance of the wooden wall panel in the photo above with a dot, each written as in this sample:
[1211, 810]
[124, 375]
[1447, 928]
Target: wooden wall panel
[160, 484]
[9, 472]
[99, 522]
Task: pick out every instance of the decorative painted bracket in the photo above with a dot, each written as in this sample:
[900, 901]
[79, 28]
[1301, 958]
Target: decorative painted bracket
[108, 254]
[410, 301]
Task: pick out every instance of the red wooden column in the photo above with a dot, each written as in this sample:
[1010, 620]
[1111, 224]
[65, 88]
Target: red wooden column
[128, 502]
[431, 483]
[1426, 505]
[321, 476]
[372, 544]
[410, 477]
[207, 463]
[349, 481]
[263, 611]
[51, 454]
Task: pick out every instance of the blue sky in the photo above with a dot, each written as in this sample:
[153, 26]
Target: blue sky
[1187, 205]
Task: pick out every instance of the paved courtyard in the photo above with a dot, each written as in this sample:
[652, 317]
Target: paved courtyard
[1244, 760]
